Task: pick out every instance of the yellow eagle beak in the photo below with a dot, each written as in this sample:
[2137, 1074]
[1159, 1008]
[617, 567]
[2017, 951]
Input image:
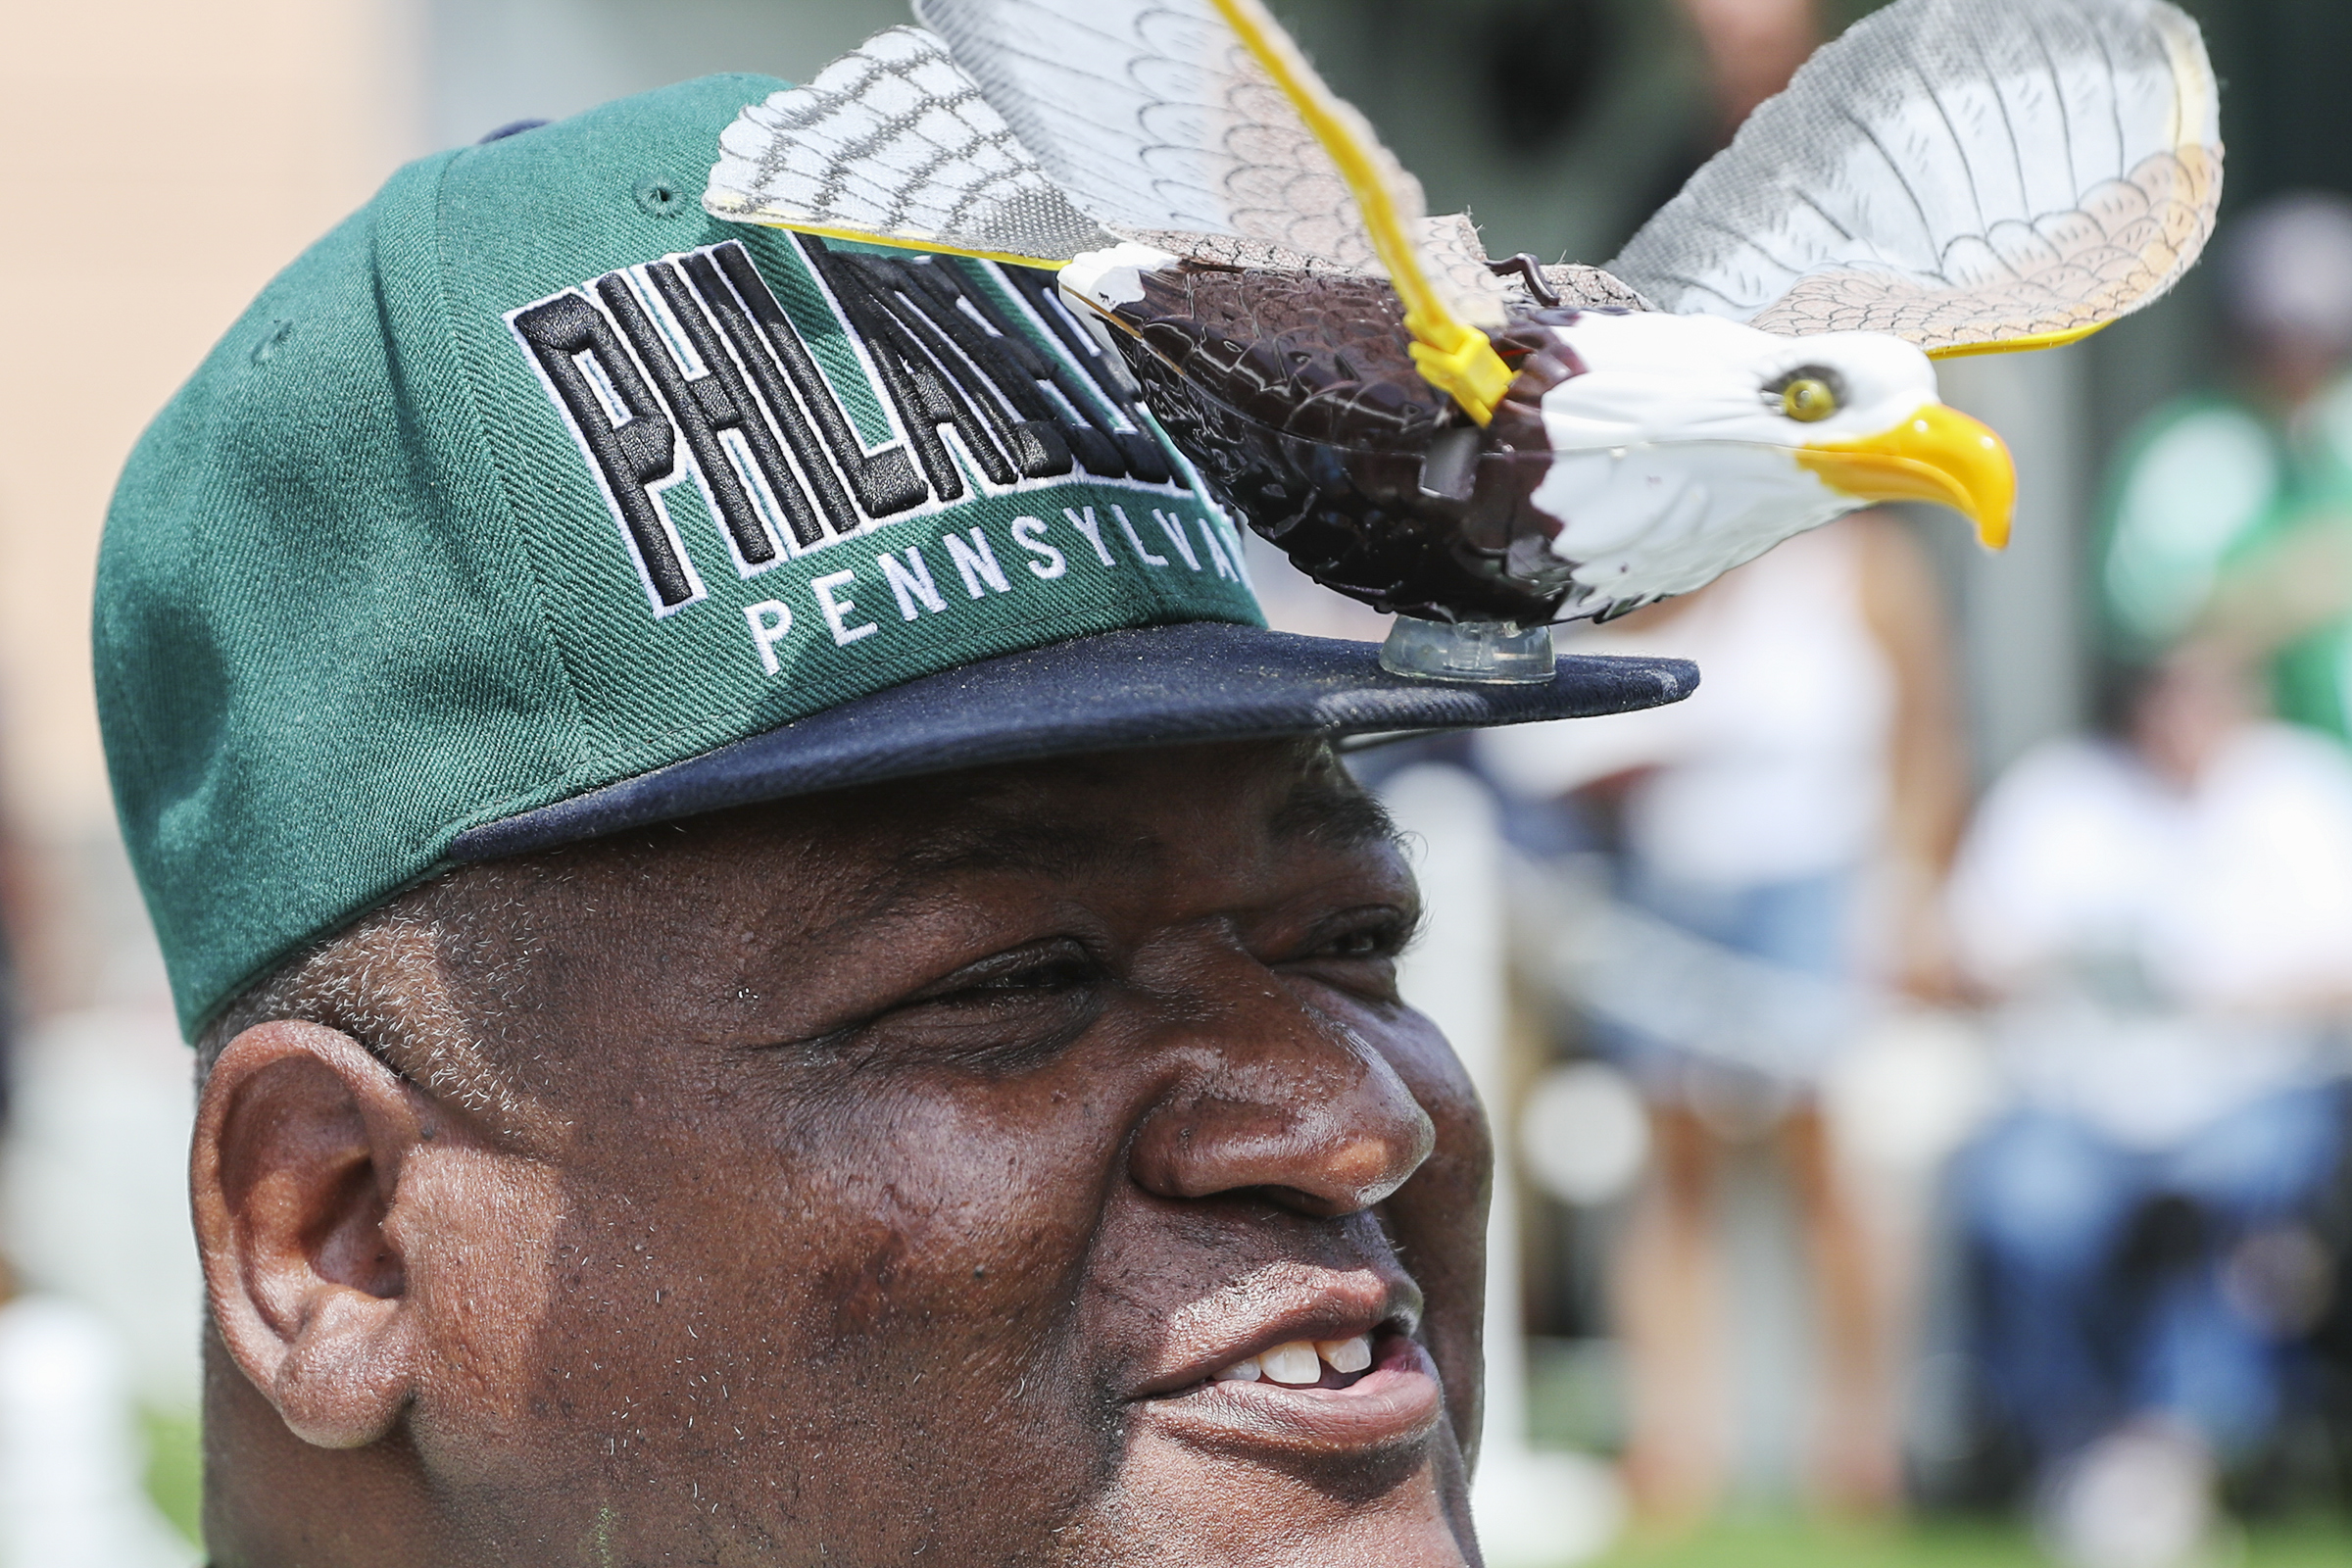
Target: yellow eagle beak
[1939, 454]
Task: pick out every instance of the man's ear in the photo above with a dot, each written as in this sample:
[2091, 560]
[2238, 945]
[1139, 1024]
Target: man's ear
[301, 1137]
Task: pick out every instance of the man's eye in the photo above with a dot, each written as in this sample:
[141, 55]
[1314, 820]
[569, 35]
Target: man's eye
[1056, 974]
[1381, 936]
[1048, 970]
[1005, 1014]
[1353, 954]
[1359, 945]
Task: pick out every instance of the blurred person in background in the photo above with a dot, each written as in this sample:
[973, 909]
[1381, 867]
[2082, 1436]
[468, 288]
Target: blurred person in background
[1747, 50]
[1822, 752]
[2167, 912]
[1752, 47]
[1812, 788]
[2231, 510]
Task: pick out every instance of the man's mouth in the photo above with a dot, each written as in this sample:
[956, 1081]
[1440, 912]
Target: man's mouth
[1373, 1388]
[1305, 1364]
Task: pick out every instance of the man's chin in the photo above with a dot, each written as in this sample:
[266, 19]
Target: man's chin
[1179, 1505]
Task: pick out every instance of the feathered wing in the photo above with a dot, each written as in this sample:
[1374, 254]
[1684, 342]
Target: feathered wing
[1035, 129]
[895, 143]
[1970, 175]
[1155, 117]
[1038, 129]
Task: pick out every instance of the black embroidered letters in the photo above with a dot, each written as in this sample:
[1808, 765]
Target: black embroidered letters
[690, 367]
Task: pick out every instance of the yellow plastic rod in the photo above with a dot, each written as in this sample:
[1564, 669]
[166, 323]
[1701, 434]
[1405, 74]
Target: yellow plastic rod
[1454, 356]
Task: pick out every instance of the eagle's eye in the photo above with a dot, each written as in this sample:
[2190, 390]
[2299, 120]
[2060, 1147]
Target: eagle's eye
[1805, 396]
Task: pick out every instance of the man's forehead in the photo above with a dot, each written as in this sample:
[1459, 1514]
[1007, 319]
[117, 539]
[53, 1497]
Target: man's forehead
[1135, 809]
[1118, 814]
[1070, 813]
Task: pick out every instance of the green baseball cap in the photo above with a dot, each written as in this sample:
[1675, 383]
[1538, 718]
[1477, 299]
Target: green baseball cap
[533, 503]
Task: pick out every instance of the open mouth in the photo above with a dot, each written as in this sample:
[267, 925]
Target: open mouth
[1305, 1364]
[1366, 1391]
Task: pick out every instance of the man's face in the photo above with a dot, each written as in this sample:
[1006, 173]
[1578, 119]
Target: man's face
[928, 1168]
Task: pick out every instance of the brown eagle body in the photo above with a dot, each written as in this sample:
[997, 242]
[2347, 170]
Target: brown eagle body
[1296, 396]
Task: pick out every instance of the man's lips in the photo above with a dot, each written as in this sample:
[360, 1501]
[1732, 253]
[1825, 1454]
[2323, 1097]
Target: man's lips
[1397, 1401]
[1280, 1305]
[1313, 1361]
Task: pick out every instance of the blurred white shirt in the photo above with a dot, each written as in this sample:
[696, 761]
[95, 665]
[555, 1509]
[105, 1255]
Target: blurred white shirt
[2234, 896]
[2170, 951]
[1774, 770]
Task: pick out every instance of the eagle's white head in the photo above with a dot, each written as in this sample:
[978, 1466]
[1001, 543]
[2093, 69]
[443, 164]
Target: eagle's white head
[1688, 444]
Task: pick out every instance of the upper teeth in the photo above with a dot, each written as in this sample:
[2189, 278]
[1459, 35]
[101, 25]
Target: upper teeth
[1300, 1362]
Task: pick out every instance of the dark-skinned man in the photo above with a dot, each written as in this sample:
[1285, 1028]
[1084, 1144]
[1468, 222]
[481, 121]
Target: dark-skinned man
[781, 970]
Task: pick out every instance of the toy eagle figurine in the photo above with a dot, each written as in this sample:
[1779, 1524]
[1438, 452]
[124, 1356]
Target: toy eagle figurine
[1464, 440]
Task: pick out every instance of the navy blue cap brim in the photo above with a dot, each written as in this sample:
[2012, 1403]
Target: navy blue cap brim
[1154, 686]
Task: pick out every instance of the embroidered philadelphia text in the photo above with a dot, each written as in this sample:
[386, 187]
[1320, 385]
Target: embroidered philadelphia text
[690, 367]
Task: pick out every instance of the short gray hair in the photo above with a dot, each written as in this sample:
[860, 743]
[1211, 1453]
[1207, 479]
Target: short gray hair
[404, 981]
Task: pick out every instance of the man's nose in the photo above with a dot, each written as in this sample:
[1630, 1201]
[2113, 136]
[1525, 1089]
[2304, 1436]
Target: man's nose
[1279, 1098]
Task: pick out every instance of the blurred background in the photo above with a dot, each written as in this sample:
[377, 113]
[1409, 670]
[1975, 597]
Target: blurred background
[1918, 1058]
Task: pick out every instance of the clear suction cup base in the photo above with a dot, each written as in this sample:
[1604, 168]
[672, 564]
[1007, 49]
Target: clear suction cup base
[1498, 652]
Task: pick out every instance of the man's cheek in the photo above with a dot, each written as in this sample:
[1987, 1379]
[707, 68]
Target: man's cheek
[883, 1274]
[916, 1324]
[478, 1234]
[909, 1266]
[932, 1242]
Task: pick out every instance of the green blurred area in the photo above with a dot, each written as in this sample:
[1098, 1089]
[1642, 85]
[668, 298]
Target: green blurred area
[175, 1469]
[1787, 1542]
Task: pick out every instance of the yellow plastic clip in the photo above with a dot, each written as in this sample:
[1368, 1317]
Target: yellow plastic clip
[1462, 364]
[1454, 356]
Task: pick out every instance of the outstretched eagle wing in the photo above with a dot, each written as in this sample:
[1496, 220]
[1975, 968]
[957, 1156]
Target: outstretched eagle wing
[1970, 174]
[1172, 117]
[1157, 118]
[894, 144]
[1032, 130]
[1045, 127]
